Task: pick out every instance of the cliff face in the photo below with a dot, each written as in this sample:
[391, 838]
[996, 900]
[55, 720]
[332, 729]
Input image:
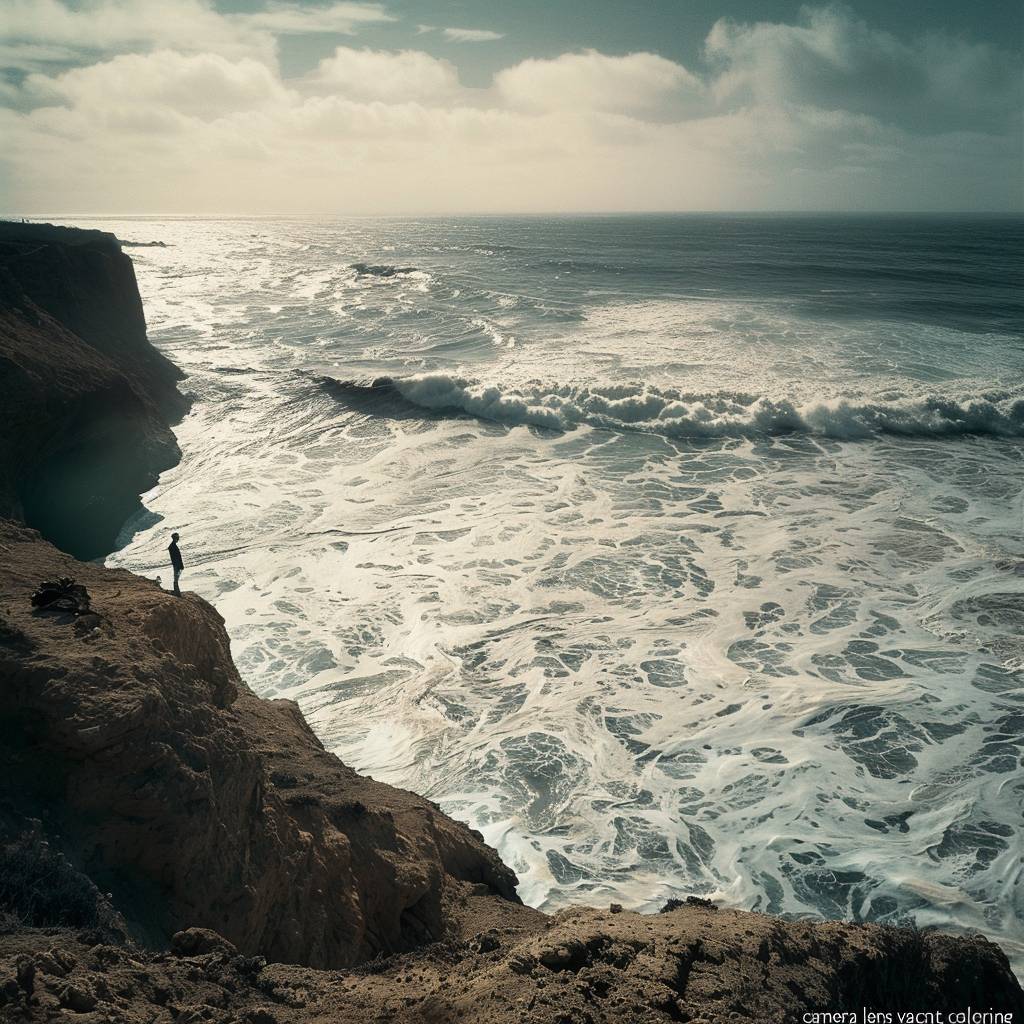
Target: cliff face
[141, 779]
[87, 401]
[168, 784]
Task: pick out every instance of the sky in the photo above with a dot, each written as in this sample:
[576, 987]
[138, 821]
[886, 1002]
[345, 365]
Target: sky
[405, 107]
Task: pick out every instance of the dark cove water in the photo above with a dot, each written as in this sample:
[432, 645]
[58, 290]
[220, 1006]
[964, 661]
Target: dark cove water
[677, 554]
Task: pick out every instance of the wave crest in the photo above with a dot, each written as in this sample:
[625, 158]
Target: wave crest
[676, 414]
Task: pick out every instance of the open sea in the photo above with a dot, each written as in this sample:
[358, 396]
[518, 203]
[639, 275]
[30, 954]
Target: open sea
[677, 554]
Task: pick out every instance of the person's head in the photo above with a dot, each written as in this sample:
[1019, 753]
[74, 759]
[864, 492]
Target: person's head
[174, 536]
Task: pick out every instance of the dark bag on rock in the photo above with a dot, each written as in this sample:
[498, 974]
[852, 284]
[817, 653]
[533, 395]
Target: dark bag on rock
[64, 595]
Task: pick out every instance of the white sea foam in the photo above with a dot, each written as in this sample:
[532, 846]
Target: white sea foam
[751, 628]
[677, 414]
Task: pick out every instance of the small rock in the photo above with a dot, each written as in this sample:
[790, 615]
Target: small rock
[521, 963]
[54, 962]
[699, 901]
[77, 998]
[87, 622]
[260, 1015]
[485, 942]
[251, 964]
[615, 908]
[107, 955]
[691, 901]
[25, 972]
[557, 959]
[199, 941]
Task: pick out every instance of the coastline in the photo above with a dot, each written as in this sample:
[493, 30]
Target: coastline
[171, 787]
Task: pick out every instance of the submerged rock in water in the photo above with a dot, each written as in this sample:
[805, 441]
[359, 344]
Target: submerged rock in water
[380, 270]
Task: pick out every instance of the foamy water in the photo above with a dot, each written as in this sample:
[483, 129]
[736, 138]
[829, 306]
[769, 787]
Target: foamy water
[676, 556]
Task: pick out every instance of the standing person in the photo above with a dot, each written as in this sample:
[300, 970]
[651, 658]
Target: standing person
[176, 563]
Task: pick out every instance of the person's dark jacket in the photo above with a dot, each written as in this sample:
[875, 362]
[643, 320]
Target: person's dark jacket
[175, 556]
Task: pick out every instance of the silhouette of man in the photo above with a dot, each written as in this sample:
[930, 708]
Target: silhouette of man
[176, 563]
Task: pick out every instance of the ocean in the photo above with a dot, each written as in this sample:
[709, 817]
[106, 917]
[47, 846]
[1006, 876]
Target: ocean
[677, 554]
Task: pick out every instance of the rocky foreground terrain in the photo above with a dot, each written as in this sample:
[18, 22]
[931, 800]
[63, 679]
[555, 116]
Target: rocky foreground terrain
[175, 849]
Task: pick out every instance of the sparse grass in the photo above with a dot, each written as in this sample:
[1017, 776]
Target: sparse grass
[39, 887]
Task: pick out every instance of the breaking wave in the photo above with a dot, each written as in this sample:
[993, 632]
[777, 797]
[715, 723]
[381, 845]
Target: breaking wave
[674, 413]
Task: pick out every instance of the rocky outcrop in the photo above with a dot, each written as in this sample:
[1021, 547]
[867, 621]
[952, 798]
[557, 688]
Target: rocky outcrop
[128, 734]
[578, 967]
[87, 401]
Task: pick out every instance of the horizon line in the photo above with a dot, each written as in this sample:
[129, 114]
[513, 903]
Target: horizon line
[753, 212]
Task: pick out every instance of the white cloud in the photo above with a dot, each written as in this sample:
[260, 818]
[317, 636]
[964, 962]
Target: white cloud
[205, 86]
[385, 75]
[342, 18]
[472, 35]
[109, 25]
[595, 81]
[187, 25]
[812, 115]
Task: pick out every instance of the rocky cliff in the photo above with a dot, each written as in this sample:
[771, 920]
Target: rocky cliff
[128, 732]
[87, 401]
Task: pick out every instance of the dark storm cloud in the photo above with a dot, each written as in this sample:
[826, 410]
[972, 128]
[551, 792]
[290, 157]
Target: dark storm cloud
[833, 60]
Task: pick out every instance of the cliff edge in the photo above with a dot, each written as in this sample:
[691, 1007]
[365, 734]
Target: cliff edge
[128, 734]
[87, 400]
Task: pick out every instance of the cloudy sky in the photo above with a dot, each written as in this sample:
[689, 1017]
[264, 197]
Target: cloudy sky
[424, 106]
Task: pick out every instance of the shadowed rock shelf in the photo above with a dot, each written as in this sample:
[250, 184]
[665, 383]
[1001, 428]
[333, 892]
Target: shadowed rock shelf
[87, 401]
